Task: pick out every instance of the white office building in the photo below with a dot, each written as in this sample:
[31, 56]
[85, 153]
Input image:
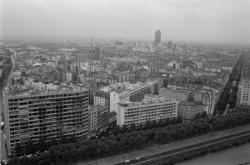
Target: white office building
[153, 107]
[132, 92]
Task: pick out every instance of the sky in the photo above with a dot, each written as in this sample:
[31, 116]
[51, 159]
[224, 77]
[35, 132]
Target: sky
[188, 20]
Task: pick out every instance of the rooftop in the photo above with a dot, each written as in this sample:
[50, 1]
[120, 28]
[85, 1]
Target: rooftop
[128, 87]
[26, 90]
[149, 99]
[193, 103]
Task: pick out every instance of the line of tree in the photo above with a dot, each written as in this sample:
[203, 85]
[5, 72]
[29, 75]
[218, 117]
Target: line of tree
[229, 93]
[31, 147]
[235, 78]
[136, 139]
[148, 125]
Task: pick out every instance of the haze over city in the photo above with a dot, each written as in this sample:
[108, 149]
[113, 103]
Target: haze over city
[192, 20]
[124, 82]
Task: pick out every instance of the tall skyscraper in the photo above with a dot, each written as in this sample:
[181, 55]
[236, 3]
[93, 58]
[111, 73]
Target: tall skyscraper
[157, 37]
[170, 44]
[94, 53]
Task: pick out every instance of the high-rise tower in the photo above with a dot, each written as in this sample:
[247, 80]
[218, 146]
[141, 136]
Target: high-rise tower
[157, 37]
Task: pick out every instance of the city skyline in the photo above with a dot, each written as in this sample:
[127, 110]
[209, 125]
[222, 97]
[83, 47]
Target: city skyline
[124, 82]
[207, 21]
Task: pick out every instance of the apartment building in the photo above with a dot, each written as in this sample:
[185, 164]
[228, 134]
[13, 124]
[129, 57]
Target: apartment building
[188, 110]
[243, 99]
[243, 95]
[98, 118]
[153, 107]
[92, 120]
[209, 97]
[46, 116]
[102, 98]
[132, 92]
[180, 93]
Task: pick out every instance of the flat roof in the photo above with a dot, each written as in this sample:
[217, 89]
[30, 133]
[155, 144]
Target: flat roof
[47, 93]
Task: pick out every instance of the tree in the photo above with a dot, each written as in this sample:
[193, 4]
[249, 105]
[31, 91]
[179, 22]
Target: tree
[128, 141]
[201, 115]
[154, 124]
[29, 147]
[41, 145]
[132, 127]
[18, 148]
[148, 124]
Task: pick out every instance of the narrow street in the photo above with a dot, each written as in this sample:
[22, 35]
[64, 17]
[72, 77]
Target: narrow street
[5, 81]
[3, 155]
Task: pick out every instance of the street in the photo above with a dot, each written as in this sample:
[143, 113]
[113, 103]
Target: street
[3, 155]
[5, 81]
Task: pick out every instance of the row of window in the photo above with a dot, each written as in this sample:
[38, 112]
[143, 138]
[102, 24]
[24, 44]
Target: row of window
[84, 95]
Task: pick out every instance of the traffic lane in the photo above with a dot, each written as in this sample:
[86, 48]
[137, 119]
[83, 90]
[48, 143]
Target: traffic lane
[8, 71]
[5, 81]
[3, 155]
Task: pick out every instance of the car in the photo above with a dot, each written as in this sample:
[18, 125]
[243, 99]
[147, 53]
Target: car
[2, 125]
[29, 155]
[3, 162]
[137, 158]
[126, 161]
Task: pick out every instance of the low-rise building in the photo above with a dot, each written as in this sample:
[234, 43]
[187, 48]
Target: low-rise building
[208, 96]
[189, 110]
[180, 93]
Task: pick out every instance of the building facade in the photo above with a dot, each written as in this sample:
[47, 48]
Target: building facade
[157, 37]
[243, 95]
[94, 53]
[153, 107]
[132, 92]
[98, 118]
[243, 99]
[92, 120]
[102, 98]
[188, 110]
[46, 116]
[209, 97]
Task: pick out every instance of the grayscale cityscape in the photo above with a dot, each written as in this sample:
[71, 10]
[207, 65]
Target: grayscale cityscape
[124, 82]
